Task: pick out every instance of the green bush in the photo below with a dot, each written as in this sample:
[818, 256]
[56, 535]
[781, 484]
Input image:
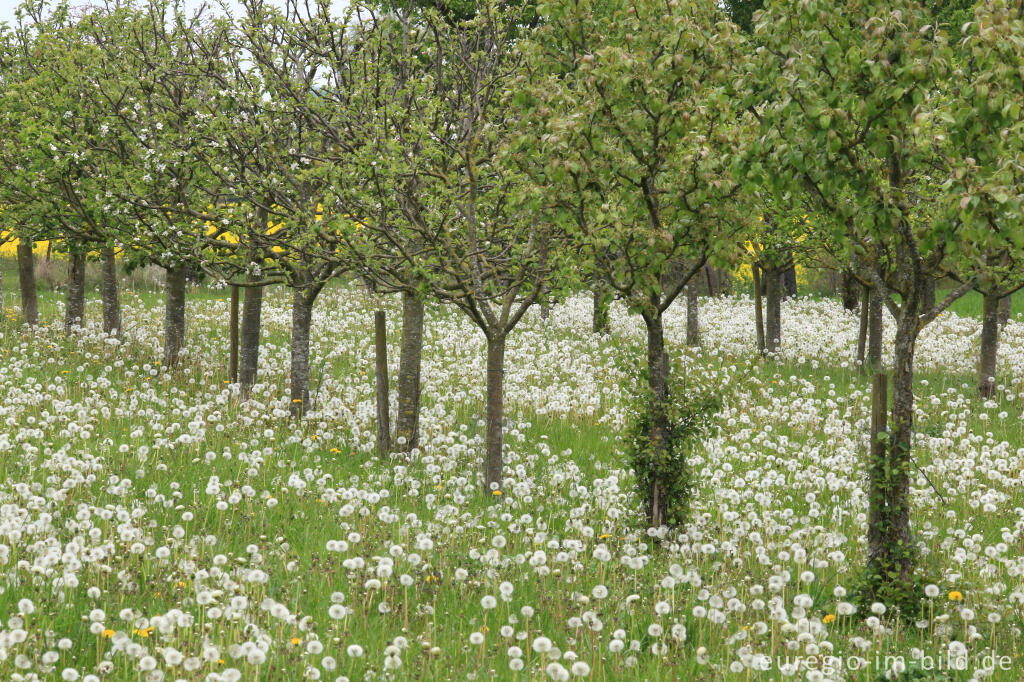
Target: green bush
[690, 416]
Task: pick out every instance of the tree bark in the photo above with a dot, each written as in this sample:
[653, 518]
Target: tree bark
[755, 270]
[233, 336]
[849, 290]
[174, 315]
[657, 383]
[707, 278]
[1005, 304]
[789, 279]
[692, 317]
[875, 312]
[989, 345]
[890, 551]
[862, 333]
[249, 352]
[111, 302]
[928, 300]
[27, 282]
[74, 310]
[380, 337]
[600, 322]
[407, 428]
[495, 412]
[773, 321]
[302, 318]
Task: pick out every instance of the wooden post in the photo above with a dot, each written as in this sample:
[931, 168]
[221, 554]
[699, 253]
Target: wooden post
[383, 417]
[879, 414]
[233, 336]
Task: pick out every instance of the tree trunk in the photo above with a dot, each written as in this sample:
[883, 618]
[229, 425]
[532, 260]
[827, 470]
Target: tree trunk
[27, 281]
[380, 338]
[657, 383]
[707, 277]
[302, 318]
[989, 346]
[875, 326]
[789, 280]
[755, 270]
[233, 336]
[600, 323]
[890, 551]
[174, 316]
[495, 412]
[74, 310]
[1005, 310]
[862, 333]
[849, 287]
[111, 302]
[249, 352]
[773, 321]
[928, 301]
[692, 317]
[407, 429]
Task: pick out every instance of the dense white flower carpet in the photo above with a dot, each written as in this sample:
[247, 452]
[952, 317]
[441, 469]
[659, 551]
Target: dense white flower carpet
[153, 527]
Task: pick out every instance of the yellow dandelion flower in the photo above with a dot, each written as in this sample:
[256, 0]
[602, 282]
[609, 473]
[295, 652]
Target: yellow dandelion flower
[955, 595]
[828, 618]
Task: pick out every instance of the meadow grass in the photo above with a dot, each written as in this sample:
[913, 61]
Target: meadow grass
[209, 528]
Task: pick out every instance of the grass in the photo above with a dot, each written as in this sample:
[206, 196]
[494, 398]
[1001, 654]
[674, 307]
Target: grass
[778, 494]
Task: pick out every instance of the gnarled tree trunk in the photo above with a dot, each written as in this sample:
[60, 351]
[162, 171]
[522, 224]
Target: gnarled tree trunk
[27, 282]
[174, 315]
[989, 345]
[692, 317]
[773, 318]
[249, 346]
[495, 412]
[74, 310]
[111, 301]
[407, 427]
[302, 319]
